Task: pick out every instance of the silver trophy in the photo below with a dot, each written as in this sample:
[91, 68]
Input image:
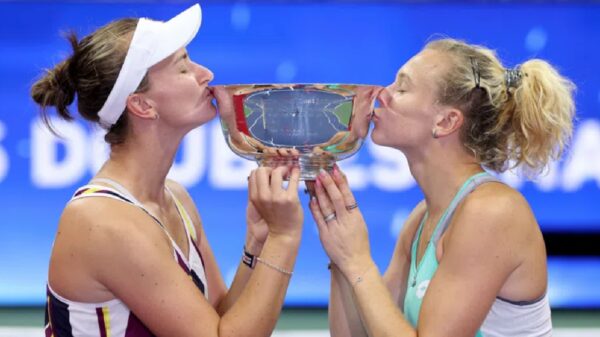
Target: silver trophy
[308, 125]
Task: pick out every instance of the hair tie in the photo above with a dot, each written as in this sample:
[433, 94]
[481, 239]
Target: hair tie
[512, 77]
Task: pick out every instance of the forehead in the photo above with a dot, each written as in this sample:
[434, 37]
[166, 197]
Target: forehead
[424, 69]
[171, 60]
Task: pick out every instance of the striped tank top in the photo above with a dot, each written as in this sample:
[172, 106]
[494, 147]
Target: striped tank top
[65, 318]
[505, 318]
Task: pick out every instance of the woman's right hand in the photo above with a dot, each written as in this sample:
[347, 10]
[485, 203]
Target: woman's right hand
[342, 229]
[279, 207]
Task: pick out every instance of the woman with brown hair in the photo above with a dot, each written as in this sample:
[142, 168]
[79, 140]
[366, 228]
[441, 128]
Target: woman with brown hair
[131, 257]
[470, 259]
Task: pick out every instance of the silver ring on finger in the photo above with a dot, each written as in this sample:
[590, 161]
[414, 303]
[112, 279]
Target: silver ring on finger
[351, 207]
[330, 217]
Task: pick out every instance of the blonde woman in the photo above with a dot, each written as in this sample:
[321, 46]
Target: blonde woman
[470, 260]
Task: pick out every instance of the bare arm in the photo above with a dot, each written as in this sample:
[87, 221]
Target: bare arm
[220, 297]
[479, 254]
[344, 318]
[133, 260]
[256, 235]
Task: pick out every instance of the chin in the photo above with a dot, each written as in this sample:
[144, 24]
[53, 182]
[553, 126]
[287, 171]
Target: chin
[209, 113]
[375, 137]
[206, 115]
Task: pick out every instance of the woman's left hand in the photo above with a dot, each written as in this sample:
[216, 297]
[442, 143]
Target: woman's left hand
[342, 229]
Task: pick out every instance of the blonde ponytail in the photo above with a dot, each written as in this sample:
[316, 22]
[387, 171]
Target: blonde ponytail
[542, 120]
[519, 117]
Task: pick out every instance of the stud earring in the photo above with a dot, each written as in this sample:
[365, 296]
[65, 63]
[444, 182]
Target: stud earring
[156, 117]
[434, 133]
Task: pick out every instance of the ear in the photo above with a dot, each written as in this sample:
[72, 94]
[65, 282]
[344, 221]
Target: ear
[447, 121]
[140, 106]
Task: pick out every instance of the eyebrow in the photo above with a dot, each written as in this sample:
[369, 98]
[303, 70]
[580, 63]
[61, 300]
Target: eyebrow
[183, 56]
[403, 77]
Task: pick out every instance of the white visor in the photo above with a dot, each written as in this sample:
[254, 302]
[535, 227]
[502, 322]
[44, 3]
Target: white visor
[152, 42]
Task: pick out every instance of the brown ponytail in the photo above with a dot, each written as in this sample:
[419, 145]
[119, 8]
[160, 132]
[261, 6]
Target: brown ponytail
[90, 74]
[56, 88]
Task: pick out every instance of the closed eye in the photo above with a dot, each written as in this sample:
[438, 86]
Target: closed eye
[182, 63]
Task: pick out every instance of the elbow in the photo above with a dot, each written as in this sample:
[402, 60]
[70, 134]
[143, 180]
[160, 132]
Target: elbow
[228, 328]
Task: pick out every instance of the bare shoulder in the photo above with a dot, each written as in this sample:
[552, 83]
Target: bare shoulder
[95, 237]
[104, 222]
[497, 215]
[103, 216]
[498, 203]
[123, 253]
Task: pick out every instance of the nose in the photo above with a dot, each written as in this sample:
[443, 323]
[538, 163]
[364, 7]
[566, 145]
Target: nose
[203, 74]
[384, 96]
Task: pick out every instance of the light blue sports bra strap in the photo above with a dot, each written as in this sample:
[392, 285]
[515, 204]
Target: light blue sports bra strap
[416, 239]
[468, 187]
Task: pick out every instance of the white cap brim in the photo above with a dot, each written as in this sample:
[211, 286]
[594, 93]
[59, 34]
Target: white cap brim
[152, 42]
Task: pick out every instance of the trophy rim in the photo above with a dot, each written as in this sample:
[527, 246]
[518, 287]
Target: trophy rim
[304, 84]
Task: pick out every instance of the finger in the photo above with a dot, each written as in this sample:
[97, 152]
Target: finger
[262, 183]
[294, 180]
[317, 215]
[270, 151]
[325, 204]
[277, 178]
[283, 152]
[342, 183]
[252, 191]
[332, 191]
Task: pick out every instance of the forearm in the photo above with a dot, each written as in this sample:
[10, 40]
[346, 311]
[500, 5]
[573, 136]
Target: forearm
[240, 279]
[380, 315]
[258, 304]
[344, 319]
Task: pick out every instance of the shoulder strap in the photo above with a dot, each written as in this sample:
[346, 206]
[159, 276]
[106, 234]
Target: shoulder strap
[117, 191]
[416, 239]
[467, 188]
[92, 190]
[116, 186]
[185, 217]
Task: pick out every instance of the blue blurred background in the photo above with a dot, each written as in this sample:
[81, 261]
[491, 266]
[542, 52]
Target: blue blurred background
[306, 41]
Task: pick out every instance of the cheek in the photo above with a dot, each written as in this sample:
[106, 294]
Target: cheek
[396, 114]
[400, 107]
[409, 110]
[183, 94]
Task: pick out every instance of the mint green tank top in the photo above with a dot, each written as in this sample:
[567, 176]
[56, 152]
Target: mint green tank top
[420, 276]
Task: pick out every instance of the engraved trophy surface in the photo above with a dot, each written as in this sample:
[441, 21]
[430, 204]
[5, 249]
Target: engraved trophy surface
[308, 125]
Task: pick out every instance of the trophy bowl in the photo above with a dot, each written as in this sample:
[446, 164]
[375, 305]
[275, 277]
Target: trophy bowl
[308, 125]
